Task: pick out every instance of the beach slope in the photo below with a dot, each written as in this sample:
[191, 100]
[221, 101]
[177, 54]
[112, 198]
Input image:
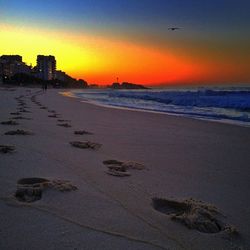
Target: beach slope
[177, 183]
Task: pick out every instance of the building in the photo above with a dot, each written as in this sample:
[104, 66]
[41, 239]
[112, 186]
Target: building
[46, 67]
[14, 70]
[11, 65]
[11, 58]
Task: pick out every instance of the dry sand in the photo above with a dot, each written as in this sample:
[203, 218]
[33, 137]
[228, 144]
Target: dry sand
[183, 158]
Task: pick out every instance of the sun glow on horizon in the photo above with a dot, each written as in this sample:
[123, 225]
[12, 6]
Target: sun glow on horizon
[100, 59]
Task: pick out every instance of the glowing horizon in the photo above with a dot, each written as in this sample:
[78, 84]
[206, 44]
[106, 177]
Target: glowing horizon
[101, 53]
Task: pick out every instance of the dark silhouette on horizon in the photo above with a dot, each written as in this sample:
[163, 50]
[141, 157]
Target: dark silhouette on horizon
[14, 71]
[126, 85]
[174, 28]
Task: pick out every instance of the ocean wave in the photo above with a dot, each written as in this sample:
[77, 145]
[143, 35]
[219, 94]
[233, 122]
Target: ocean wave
[239, 100]
[227, 105]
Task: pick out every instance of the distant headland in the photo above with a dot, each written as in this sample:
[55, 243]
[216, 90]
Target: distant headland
[16, 72]
[126, 85]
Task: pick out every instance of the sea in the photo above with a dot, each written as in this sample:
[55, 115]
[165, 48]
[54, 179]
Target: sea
[221, 104]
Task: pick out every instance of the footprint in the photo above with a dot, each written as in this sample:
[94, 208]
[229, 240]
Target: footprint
[193, 214]
[82, 132]
[21, 118]
[66, 125]
[125, 164]
[43, 107]
[119, 168]
[61, 120]
[22, 104]
[10, 122]
[15, 113]
[24, 110]
[170, 206]
[86, 144]
[115, 168]
[7, 149]
[31, 189]
[118, 173]
[18, 132]
[133, 165]
[112, 162]
[51, 111]
[53, 116]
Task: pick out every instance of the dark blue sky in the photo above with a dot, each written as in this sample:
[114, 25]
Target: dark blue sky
[214, 13]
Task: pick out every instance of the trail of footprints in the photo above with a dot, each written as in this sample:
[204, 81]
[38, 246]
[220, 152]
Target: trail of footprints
[193, 214]
[12, 121]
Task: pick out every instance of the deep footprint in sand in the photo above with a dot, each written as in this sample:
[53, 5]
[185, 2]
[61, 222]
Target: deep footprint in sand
[194, 214]
[86, 145]
[19, 132]
[31, 189]
[7, 149]
[120, 169]
[10, 122]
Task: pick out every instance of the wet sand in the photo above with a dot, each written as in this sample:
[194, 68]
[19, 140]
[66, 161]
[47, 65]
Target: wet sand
[182, 158]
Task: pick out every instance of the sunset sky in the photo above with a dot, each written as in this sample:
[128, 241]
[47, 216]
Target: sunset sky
[100, 40]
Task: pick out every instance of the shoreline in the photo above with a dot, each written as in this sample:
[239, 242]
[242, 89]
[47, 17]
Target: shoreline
[183, 158]
[196, 117]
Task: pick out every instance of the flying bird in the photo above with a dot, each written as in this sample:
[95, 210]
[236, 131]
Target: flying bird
[174, 28]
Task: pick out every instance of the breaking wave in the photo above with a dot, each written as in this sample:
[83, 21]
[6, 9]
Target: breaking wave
[226, 105]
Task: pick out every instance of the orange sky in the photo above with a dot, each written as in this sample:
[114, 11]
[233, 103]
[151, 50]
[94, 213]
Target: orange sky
[99, 59]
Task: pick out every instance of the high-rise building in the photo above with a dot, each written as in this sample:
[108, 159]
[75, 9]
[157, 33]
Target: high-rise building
[11, 65]
[46, 67]
[11, 58]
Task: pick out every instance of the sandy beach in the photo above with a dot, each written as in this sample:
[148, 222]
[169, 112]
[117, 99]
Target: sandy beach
[83, 205]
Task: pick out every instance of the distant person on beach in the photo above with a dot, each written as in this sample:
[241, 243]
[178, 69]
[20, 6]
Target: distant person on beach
[45, 86]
